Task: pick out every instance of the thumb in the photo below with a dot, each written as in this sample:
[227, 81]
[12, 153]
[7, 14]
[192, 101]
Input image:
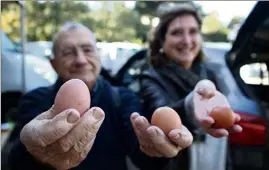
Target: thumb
[55, 128]
[205, 88]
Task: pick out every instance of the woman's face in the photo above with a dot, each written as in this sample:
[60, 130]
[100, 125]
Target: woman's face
[182, 40]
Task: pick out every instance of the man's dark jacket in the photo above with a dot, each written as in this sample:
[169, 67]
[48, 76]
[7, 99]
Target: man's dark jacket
[114, 140]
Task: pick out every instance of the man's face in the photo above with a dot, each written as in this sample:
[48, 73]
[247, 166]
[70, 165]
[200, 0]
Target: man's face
[76, 56]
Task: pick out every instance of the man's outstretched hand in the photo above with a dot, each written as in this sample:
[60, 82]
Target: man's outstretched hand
[205, 98]
[62, 140]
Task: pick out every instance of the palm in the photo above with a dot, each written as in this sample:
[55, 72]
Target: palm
[204, 104]
[205, 98]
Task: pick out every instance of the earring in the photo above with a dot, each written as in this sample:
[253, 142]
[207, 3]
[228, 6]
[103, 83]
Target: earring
[161, 50]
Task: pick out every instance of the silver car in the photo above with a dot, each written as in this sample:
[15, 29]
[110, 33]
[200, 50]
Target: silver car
[38, 72]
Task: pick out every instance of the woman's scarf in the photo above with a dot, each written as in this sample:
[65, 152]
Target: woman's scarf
[185, 79]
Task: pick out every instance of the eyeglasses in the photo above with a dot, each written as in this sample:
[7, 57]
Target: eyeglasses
[73, 52]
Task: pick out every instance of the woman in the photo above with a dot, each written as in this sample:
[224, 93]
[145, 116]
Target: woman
[176, 66]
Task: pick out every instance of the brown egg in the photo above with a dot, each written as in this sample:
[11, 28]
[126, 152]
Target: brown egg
[223, 116]
[166, 119]
[73, 94]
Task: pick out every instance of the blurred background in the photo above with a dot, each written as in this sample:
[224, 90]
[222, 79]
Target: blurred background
[122, 29]
[125, 23]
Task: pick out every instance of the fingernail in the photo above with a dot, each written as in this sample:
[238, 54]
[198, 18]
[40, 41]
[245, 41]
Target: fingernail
[177, 136]
[72, 118]
[134, 116]
[97, 114]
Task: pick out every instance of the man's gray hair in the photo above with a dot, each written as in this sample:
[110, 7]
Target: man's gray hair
[68, 26]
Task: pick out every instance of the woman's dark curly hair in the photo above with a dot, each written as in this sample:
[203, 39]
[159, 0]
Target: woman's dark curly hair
[155, 44]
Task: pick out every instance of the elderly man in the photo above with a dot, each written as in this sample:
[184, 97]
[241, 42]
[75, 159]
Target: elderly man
[100, 139]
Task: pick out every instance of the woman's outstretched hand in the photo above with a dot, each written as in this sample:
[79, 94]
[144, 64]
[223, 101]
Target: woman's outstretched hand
[205, 98]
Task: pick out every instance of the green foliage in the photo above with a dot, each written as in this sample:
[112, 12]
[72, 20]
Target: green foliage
[151, 8]
[112, 22]
[147, 7]
[234, 20]
[44, 19]
[10, 18]
[216, 37]
[117, 24]
[211, 23]
[213, 30]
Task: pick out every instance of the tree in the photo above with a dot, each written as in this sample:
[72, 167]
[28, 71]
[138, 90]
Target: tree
[11, 20]
[114, 22]
[147, 7]
[43, 19]
[235, 20]
[211, 23]
[213, 29]
[151, 8]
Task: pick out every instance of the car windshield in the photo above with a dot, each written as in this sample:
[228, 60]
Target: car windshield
[7, 44]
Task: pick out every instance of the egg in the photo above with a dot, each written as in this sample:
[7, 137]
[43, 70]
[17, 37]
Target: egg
[223, 116]
[73, 94]
[166, 119]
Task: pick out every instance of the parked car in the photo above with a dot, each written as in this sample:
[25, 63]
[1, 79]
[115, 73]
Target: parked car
[38, 72]
[114, 54]
[248, 150]
[39, 48]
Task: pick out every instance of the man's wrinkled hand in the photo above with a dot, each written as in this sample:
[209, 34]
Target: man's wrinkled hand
[153, 142]
[62, 140]
[205, 98]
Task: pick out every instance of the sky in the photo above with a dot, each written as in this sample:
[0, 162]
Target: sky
[226, 9]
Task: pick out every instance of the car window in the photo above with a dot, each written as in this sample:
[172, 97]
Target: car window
[7, 44]
[255, 74]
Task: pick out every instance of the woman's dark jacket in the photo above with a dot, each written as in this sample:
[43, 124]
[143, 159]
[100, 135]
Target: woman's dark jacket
[169, 85]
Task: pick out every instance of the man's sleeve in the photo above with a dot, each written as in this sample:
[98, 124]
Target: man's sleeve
[30, 106]
[130, 103]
